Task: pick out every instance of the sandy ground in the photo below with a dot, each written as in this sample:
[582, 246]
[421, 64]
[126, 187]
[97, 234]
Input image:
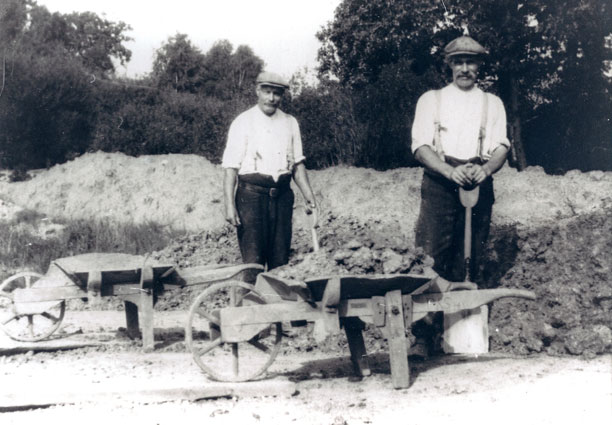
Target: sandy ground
[116, 382]
[550, 361]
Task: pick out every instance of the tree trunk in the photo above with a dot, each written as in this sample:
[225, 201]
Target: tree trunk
[518, 151]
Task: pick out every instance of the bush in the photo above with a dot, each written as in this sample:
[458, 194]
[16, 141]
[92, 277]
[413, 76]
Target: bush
[151, 121]
[46, 111]
[24, 248]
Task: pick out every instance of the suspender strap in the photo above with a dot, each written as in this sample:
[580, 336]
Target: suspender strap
[482, 132]
[437, 143]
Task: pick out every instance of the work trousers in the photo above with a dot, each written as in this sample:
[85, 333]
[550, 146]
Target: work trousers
[265, 208]
[441, 223]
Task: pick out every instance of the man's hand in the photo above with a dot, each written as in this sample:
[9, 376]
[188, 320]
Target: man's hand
[462, 175]
[478, 173]
[231, 215]
[309, 207]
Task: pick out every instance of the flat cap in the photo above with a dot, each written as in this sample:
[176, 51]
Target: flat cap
[464, 45]
[271, 79]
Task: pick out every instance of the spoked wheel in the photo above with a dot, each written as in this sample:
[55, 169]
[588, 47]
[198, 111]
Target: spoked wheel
[229, 361]
[35, 323]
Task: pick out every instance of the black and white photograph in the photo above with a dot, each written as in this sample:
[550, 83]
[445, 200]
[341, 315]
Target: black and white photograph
[324, 212]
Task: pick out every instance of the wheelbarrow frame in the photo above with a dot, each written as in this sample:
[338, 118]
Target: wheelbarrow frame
[136, 280]
[391, 302]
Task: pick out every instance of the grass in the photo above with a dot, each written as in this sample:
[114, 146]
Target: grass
[24, 249]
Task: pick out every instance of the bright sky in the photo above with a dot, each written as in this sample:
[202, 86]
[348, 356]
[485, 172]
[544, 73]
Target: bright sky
[281, 32]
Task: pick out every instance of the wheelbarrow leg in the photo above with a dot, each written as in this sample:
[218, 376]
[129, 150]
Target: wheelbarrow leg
[353, 327]
[395, 331]
[139, 312]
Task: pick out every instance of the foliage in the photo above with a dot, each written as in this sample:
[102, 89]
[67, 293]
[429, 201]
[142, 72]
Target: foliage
[46, 98]
[221, 73]
[43, 111]
[549, 62]
[178, 65]
[328, 125]
[546, 59]
[24, 248]
[94, 41]
[139, 121]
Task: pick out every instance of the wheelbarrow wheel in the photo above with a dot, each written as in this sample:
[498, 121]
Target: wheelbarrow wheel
[224, 361]
[35, 323]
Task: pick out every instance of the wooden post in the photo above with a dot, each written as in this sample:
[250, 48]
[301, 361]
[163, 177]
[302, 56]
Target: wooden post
[139, 311]
[146, 307]
[395, 331]
[146, 319]
[353, 327]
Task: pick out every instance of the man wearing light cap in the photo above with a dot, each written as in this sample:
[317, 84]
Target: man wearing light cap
[459, 135]
[263, 153]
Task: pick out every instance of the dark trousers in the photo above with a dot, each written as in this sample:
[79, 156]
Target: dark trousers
[265, 209]
[440, 227]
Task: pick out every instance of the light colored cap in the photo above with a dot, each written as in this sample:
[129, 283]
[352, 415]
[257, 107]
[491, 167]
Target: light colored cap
[464, 45]
[271, 79]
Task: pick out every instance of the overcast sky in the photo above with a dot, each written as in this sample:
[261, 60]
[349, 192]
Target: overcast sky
[281, 32]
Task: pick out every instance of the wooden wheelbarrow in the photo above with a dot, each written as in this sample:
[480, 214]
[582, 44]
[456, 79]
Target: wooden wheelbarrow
[234, 330]
[32, 306]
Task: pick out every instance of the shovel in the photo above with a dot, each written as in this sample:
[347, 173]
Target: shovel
[468, 199]
[313, 230]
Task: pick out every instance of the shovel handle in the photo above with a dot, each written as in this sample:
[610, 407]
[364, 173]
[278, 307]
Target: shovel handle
[467, 242]
[313, 230]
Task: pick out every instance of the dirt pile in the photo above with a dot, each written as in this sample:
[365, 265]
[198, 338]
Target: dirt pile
[569, 266]
[550, 234]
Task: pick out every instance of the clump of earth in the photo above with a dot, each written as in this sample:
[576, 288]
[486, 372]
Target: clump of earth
[550, 234]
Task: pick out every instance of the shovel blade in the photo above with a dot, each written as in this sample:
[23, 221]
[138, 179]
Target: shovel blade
[469, 198]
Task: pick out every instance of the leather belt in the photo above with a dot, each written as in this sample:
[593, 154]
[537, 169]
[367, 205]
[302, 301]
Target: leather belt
[272, 192]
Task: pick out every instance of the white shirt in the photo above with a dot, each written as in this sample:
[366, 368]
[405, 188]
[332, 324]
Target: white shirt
[460, 118]
[258, 143]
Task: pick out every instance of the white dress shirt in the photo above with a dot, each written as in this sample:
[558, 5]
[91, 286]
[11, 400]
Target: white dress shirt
[460, 120]
[258, 143]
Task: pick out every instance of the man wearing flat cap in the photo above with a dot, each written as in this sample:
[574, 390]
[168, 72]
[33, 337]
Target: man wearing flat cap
[263, 153]
[459, 135]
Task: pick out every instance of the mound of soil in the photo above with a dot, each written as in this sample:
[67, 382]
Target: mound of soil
[550, 234]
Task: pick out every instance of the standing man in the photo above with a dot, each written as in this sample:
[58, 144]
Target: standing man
[459, 135]
[263, 153]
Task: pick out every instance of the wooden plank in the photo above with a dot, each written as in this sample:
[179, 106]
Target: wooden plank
[240, 323]
[275, 289]
[353, 328]
[146, 321]
[287, 311]
[395, 331]
[204, 274]
[454, 301]
[329, 323]
[31, 295]
[94, 287]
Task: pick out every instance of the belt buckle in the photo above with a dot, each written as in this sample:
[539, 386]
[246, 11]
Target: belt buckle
[273, 192]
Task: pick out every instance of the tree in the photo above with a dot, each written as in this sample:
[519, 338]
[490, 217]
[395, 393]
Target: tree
[179, 65]
[94, 41]
[537, 51]
[228, 73]
[47, 105]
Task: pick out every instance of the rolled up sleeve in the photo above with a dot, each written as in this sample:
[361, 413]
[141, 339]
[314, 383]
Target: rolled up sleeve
[499, 133]
[298, 152]
[423, 126]
[235, 148]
